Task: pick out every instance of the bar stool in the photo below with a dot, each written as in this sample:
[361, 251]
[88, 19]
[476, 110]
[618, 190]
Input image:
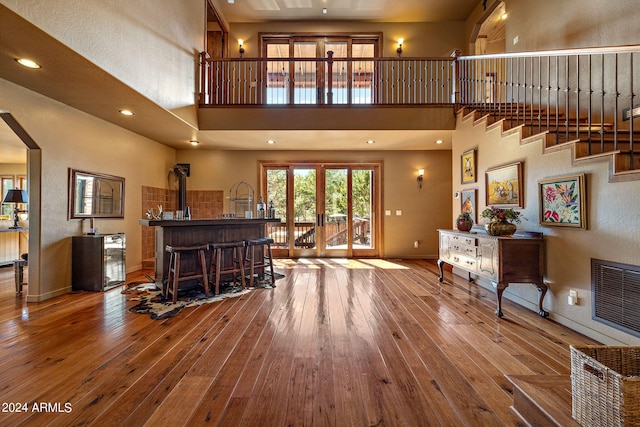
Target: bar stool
[261, 260]
[175, 275]
[235, 262]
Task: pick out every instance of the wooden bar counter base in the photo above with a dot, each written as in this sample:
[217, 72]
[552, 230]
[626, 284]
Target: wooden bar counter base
[200, 232]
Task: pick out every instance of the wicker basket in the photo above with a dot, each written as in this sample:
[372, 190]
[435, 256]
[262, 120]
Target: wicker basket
[605, 385]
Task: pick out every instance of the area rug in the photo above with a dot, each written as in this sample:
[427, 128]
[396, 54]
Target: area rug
[151, 302]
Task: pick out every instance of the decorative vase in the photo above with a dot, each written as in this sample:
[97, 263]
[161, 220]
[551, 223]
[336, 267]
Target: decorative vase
[464, 224]
[500, 228]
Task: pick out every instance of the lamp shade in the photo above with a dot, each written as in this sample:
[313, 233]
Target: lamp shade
[16, 196]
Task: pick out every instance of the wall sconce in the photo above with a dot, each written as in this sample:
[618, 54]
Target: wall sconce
[399, 49]
[241, 47]
[420, 177]
[16, 196]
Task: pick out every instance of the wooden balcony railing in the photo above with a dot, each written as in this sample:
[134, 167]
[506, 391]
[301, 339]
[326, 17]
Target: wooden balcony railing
[586, 97]
[326, 81]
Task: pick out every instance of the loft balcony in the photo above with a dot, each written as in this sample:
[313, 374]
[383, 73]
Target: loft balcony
[584, 100]
[327, 94]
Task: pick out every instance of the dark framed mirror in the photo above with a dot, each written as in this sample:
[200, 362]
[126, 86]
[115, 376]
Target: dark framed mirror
[95, 195]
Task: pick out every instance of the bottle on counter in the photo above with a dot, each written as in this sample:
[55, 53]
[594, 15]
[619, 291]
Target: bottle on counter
[272, 211]
[261, 208]
[187, 213]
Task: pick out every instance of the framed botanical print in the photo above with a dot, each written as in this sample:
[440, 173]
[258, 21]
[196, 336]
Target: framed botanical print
[562, 201]
[468, 203]
[504, 186]
[468, 167]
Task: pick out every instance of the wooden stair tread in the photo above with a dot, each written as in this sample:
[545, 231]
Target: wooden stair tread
[542, 399]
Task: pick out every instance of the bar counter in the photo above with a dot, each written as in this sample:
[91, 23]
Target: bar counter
[200, 232]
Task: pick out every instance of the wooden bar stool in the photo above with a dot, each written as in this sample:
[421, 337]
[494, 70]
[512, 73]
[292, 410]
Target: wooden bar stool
[175, 275]
[260, 260]
[234, 264]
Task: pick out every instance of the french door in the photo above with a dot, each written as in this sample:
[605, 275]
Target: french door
[326, 210]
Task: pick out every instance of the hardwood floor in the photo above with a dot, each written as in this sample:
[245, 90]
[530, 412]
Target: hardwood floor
[336, 343]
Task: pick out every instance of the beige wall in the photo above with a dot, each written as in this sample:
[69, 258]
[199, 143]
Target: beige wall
[72, 139]
[612, 232]
[420, 39]
[151, 46]
[423, 211]
[552, 24]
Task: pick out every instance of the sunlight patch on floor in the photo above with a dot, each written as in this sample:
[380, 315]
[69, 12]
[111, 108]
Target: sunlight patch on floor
[351, 263]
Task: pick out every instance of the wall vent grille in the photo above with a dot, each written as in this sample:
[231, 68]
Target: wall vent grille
[615, 289]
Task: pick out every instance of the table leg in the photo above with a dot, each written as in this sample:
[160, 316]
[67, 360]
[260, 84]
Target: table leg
[500, 287]
[441, 267]
[542, 291]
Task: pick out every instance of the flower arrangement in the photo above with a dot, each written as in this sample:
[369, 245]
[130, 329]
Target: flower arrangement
[502, 214]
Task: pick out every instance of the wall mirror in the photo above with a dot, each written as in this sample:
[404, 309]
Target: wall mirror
[95, 195]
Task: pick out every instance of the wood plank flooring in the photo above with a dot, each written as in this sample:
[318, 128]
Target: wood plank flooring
[337, 343]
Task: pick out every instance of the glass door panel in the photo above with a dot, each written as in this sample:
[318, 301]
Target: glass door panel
[336, 210]
[305, 213]
[340, 75]
[277, 74]
[362, 73]
[362, 205]
[277, 194]
[305, 88]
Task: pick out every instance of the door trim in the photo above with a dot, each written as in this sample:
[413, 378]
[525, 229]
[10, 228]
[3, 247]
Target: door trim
[378, 196]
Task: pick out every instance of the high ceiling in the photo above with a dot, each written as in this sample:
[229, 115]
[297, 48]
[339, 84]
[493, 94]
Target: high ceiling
[351, 10]
[161, 125]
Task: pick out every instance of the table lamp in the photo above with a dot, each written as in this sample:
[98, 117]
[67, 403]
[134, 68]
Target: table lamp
[16, 196]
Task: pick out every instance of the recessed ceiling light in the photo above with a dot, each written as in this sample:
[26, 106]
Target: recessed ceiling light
[28, 63]
[126, 112]
[271, 142]
[194, 142]
[504, 16]
[371, 141]
[439, 141]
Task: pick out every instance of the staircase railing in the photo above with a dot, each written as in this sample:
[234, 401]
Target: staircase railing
[586, 95]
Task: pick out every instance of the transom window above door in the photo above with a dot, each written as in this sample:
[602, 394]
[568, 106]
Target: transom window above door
[295, 76]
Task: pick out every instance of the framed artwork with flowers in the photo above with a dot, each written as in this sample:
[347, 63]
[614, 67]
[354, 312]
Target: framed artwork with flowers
[562, 201]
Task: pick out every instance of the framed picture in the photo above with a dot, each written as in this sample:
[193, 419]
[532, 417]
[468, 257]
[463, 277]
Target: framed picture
[468, 203]
[468, 167]
[562, 201]
[504, 186]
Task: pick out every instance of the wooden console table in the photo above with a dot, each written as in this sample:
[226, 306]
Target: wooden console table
[501, 260]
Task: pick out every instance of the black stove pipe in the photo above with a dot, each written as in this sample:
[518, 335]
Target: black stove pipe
[182, 172]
